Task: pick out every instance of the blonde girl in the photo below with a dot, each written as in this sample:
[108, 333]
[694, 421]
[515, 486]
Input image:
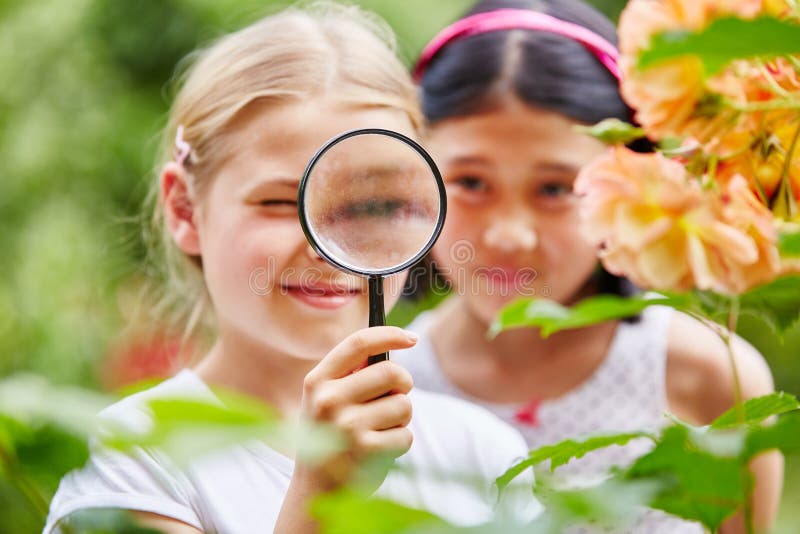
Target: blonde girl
[252, 111]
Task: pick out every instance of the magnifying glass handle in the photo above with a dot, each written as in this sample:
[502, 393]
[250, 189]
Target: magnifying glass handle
[377, 316]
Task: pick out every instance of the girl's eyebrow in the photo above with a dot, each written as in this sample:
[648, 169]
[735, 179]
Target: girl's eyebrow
[468, 160]
[556, 166]
[254, 186]
[550, 166]
[282, 180]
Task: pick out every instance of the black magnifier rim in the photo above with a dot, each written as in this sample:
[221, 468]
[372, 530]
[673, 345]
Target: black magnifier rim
[301, 204]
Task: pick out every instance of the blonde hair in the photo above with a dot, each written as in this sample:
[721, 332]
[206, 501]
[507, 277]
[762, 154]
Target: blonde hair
[339, 51]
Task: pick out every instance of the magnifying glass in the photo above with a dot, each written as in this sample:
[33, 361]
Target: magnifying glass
[372, 203]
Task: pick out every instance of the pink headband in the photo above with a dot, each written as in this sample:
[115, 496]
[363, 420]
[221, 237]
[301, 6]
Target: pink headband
[182, 148]
[520, 19]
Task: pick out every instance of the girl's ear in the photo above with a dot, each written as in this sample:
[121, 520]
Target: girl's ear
[179, 209]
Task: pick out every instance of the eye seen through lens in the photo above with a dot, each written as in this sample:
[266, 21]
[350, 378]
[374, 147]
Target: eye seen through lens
[372, 202]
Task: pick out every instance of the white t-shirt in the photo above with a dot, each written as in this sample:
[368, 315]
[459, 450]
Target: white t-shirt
[240, 490]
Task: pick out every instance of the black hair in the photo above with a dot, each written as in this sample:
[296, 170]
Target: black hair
[474, 74]
[549, 71]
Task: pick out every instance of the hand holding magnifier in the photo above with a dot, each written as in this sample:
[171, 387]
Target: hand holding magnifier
[372, 203]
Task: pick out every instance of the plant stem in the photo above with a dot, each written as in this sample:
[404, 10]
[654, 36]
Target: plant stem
[743, 150]
[794, 61]
[27, 488]
[32, 493]
[787, 162]
[727, 337]
[733, 316]
[713, 162]
[771, 81]
[766, 106]
[748, 503]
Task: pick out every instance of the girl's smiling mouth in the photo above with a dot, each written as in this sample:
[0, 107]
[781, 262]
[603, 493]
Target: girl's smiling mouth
[323, 295]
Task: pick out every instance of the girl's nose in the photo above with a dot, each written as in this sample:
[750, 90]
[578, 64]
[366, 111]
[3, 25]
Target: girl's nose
[509, 235]
[313, 254]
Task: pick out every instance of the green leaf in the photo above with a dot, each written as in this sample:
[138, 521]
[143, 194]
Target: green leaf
[789, 243]
[783, 435]
[612, 504]
[612, 131]
[347, 512]
[706, 304]
[699, 485]
[776, 303]
[552, 317]
[104, 521]
[757, 409]
[34, 401]
[48, 454]
[11, 432]
[725, 40]
[18, 513]
[187, 428]
[311, 442]
[564, 451]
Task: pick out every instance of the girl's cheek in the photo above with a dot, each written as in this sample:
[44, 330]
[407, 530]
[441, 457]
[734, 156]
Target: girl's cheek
[462, 219]
[393, 288]
[261, 242]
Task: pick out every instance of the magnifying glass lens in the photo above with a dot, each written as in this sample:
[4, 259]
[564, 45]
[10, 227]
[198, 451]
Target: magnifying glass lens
[372, 203]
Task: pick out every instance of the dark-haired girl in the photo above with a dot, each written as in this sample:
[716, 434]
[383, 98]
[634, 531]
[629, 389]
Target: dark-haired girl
[503, 89]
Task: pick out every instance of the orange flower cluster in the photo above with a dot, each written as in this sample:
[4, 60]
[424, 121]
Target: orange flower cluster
[708, 217]
[660, 228]
[674, 98]
[736, 115]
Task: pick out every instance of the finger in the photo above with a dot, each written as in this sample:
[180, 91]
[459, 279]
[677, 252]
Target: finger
[374, 381]
[351, 353]
[325, 400]
[395, 441]
[381, 414]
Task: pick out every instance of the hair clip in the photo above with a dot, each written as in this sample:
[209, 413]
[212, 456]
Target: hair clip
[182, 148]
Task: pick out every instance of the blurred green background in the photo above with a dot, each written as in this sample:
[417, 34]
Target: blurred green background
[85, 90]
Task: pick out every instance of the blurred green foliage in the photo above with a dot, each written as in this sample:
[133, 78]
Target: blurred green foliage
[87, 87]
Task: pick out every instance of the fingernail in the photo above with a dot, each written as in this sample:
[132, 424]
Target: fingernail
[411, 336]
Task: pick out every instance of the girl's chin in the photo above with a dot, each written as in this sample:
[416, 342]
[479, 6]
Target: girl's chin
[310, 336]
[487, 307]
[312, 352]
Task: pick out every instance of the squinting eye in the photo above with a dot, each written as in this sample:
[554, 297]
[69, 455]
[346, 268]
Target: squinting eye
[276, 203]
[471, 183]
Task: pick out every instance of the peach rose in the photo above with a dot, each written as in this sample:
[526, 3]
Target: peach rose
[746, 212]
[660, 228]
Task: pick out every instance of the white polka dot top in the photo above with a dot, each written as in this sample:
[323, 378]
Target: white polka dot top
[626, 392]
